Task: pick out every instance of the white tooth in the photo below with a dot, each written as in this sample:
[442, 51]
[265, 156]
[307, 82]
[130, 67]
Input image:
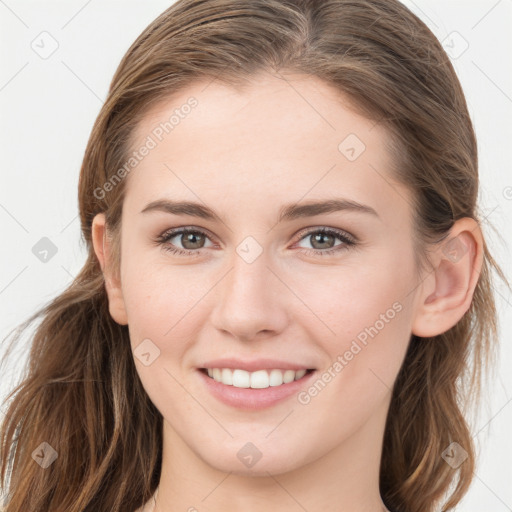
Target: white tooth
[288, 376]
[276, 377]
[299, 374]
[241, 379]
[259, 379]
[227, 376]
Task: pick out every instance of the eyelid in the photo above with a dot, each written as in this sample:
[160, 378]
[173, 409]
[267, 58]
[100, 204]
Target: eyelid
[347, 238]
[318, 229]
[172, 232]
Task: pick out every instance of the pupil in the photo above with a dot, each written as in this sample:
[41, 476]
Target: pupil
[319, 236]
[191, 238]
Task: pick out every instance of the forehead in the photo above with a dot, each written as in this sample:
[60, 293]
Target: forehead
[277, 137]
[296, 106]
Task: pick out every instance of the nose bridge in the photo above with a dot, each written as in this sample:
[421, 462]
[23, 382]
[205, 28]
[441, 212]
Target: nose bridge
[248, 299]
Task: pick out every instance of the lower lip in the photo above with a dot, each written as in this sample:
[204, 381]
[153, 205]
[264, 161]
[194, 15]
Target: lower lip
[253, 399]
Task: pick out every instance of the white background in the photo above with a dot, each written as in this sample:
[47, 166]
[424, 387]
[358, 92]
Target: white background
[47, 109]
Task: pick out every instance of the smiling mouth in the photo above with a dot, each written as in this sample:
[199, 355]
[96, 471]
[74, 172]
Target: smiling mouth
[259, 379]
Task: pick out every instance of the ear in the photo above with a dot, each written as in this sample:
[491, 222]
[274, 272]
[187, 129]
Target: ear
[447, 291]
[102, 248]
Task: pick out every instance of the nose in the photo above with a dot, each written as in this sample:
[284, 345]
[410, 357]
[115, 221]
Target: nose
[251, 301]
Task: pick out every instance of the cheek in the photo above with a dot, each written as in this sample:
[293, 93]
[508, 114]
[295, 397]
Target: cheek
[364, 315]
[162, 323]
[371, 319]
[163, 304]
[151, 290]
[348, 299]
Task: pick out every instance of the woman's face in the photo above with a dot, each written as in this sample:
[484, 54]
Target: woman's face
[257, 283]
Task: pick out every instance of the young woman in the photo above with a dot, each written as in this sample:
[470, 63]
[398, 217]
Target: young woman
[286, 283]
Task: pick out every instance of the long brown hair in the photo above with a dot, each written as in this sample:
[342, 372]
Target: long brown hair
[81, 393]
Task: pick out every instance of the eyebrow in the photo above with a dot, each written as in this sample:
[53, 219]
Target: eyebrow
[286, 213]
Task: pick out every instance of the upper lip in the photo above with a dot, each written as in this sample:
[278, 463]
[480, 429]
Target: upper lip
[255, 364]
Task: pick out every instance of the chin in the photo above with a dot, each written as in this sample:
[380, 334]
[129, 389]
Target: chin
[246, 460]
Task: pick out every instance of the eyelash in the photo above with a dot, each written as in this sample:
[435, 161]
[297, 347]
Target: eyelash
[348, 241]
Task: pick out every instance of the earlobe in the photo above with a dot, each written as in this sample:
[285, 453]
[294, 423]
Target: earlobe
[448, 290]
[101, 245]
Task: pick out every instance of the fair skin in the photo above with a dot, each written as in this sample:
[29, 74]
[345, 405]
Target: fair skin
[245, 154]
